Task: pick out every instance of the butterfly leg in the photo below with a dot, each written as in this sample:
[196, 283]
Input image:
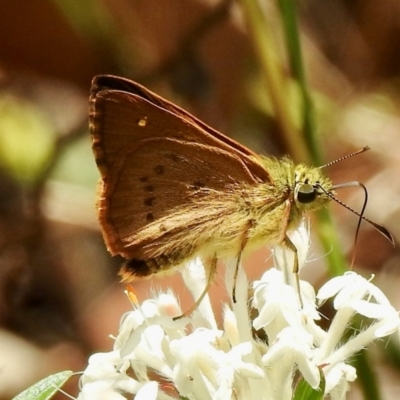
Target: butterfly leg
[285, 241]
[289, 244]
[238, 259]
[243, 242]
[210, 279]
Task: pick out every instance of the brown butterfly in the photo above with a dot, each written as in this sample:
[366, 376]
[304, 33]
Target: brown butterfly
[173, 188]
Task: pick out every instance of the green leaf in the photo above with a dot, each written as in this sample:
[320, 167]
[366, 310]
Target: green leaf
[305, 392]
[46, 388]
[26, 138]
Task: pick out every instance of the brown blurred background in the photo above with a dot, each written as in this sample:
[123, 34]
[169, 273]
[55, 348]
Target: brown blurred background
[59, 292]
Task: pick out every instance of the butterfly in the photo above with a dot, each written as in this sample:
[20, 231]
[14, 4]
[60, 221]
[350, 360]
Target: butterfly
[173, 188]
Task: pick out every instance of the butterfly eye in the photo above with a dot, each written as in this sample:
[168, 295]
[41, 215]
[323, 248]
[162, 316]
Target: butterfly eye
[306, 194]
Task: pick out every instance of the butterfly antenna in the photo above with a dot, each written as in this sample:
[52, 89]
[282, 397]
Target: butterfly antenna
[381, 229]
[364, 149]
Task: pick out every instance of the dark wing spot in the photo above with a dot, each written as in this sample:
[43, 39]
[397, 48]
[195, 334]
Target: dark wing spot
[159, 169]
[149, 201]
[198, 185]
[150, 217]
[144, 179]
[149, 188]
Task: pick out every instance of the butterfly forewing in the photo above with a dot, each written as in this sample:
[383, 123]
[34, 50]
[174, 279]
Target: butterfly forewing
[120, 106]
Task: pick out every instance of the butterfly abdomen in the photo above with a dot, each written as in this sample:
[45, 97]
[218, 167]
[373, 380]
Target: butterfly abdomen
[138, 268]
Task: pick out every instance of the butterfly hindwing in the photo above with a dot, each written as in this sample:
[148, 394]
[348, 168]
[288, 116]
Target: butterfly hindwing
[156, 187]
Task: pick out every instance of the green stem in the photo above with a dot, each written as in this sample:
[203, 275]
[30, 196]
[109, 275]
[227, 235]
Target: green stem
[337, 263]
[328, 235]
[336, 260]
[275, 81]
[366, 377]
[288, 13]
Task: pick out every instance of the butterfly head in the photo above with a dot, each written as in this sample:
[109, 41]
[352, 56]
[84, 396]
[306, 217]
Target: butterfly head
[311, 188]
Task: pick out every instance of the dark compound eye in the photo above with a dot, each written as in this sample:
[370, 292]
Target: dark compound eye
[306, 194]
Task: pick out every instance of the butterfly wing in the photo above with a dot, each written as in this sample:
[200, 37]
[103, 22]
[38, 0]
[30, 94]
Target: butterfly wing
[158, 164]
[118, 106]
[164, 189]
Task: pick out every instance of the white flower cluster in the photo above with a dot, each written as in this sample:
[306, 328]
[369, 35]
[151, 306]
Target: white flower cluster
[155, 357]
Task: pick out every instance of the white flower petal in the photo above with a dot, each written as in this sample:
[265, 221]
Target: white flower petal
[230, 326]
[150, 350]
[387, 327]
[373, 310]
[167, 305]
[100, 390]
[148, 391]
[102, 366]
[195, 275]
[335, 285]
[338, 377]
[127, 384]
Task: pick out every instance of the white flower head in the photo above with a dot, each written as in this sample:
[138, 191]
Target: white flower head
[157, 357]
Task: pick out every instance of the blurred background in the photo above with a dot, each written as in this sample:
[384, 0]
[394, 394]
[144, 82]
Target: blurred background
[59, 293]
